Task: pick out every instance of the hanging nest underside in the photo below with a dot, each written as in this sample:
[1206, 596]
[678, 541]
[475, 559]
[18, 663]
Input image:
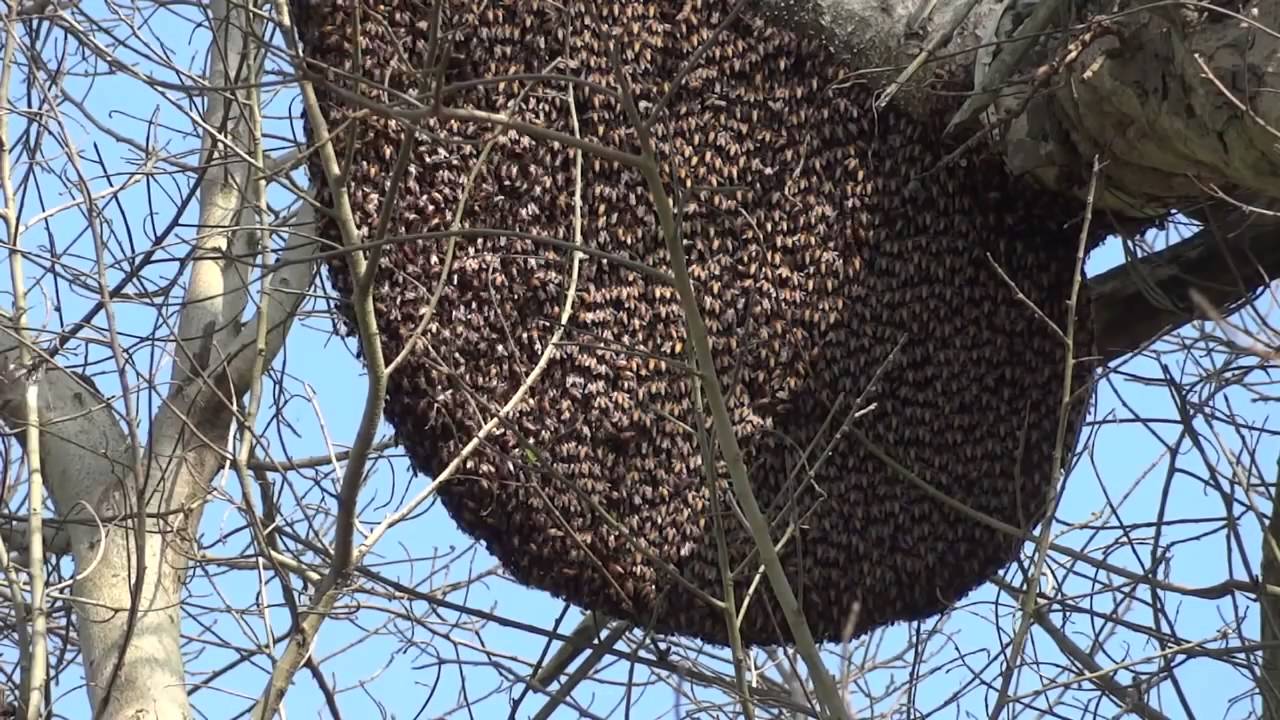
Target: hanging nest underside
[813, 257]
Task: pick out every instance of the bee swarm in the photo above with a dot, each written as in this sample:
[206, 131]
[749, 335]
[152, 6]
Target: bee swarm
[813, 254]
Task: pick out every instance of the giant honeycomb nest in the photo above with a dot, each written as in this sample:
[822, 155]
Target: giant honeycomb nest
[814, 256]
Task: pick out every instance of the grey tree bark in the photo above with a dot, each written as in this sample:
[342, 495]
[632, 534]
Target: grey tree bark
[1177, 97]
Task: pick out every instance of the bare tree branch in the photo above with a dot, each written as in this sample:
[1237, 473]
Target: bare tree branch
[1149, 298]
[1269, 618]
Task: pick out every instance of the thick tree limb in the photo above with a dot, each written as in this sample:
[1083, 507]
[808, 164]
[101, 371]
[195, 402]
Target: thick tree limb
[1146, 299]
[216, 290]
[582, 637]
[86, 455]
[1179, 96]
[53, 535]
[131, 615]
[82, 439]
[283, 291]
[88, 465]
[880, 38]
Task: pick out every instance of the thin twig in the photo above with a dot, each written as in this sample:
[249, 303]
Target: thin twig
[34, 650]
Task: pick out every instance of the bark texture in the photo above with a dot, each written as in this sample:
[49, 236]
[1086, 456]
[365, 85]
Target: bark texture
[1179, 99]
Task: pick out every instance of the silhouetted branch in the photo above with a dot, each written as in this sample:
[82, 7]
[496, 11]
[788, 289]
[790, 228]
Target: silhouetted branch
[1141, 301]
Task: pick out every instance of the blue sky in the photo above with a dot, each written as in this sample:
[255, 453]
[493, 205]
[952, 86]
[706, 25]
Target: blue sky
[385, 664]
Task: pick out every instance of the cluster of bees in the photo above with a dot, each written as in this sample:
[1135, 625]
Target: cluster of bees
[860, 298]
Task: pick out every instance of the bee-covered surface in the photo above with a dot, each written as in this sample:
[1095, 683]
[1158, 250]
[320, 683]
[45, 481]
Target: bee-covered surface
[813, 254]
